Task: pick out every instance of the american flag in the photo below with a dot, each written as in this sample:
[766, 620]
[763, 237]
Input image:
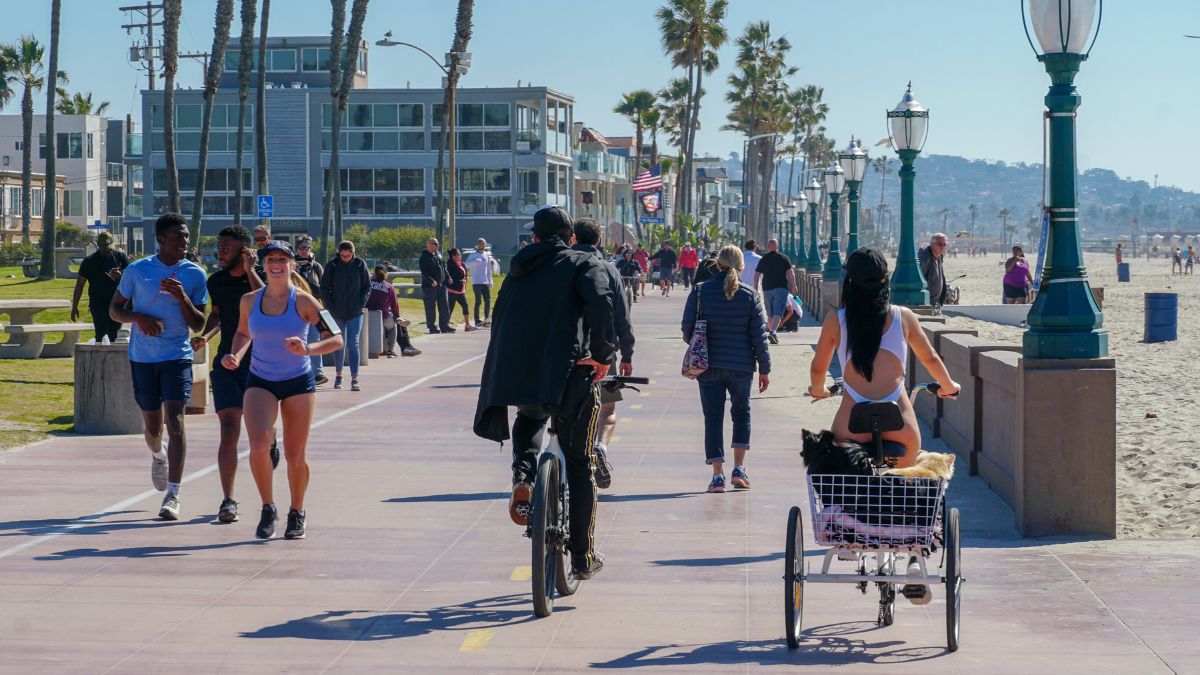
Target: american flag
[648, 179]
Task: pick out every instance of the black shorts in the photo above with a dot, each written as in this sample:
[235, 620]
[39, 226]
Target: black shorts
[154, 383]
[1015, 292]
[283, 389]
[228, 386]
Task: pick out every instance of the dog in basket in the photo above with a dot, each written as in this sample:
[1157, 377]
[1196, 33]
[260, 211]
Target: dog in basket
[823, 454]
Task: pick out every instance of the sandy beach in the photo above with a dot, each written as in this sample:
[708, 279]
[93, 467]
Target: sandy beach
[1158, 467]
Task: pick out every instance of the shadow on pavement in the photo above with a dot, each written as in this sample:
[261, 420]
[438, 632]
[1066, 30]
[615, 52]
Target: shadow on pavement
[455, 386]
[817, 648]
[146, 551]
[364, 625]
[449, 497]
[34, 528]
[646, 498]
[718, 562]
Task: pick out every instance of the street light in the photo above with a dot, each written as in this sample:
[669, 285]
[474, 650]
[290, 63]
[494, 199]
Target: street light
[853, 161]
[813, 192]
[1064, 322]
[909, 122]
[455, 66]
[835, 182]
[801, 206]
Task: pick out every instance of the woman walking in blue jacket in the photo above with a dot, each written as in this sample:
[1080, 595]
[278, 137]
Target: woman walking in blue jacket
[737, 345]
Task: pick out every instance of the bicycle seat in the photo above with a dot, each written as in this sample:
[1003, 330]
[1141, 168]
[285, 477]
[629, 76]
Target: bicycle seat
[867, 418]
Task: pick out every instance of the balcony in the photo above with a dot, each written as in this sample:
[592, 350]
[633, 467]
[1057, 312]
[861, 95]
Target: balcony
[593, 161]
[114, 172]
[133, 146]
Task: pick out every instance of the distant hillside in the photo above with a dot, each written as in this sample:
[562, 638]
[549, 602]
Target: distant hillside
[1108, 203]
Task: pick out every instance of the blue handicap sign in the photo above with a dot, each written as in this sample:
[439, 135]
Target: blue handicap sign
[266, 206]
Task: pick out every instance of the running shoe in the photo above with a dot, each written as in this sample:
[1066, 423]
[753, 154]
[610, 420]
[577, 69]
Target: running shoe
[228, 512]
[519, 503]
[739, 479]
[170, 507]
[266, 522]
[773, 338]
[410, 351]
[390, 355]
[158, 470]
[717, 484]
[295, 525]
[603, 471]
[354, 386]
[337, 382]
[469, 328]
[274, 452]
[321, 379]
[583, 574]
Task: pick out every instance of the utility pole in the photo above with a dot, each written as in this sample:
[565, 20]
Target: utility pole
[148, 12]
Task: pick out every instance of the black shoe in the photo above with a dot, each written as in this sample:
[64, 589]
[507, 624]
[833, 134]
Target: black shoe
[274, 452]
[266, 523]
[228, 511]
[433, 331]
[295, 525]
[603, 471]
[448, 329]
[773, 338]
[582, 574]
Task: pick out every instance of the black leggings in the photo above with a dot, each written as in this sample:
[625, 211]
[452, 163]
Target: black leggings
[483, 292]
[458, 299]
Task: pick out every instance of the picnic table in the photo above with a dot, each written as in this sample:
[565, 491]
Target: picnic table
[28, 338]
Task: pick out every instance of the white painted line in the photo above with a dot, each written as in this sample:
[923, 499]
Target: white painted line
[121, 505]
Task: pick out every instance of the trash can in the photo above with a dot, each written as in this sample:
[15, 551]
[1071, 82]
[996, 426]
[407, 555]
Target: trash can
[1123, 272]
[1162, 317]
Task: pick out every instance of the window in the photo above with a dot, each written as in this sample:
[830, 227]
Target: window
[385, 115]
[360, 115]
[14, 201]
[470, 179]
[73, 203]
[412, 140]
[90, 149]
[498, 180]
[497, 140]
[68, 146]
[281, 60]
[496, 115]
[188, 116]
[314, 59]
[36, 205]
[360, 180]
[470, 140]
[470, 114]
[412, 180]
[41, 146]
[478, 205]
[91, 203]
[411, 115]
[386, 180]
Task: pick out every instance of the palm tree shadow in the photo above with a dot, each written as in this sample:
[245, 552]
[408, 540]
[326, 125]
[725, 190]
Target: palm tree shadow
[369, 625]
[449, 497]
[645, 497]
[828, 649]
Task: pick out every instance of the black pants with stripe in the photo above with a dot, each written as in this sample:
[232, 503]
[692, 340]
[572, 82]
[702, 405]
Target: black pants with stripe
[575, 423]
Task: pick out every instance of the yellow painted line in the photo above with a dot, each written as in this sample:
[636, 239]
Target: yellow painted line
[658, 372]
[636, 406]
[522, 573]
[477, 640]
[615, 439]
[644, 394]
[626, 420]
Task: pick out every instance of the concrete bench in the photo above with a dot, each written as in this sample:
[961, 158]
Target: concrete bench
[29, 340]
[30, 268]
[403, 274]
[408, 290]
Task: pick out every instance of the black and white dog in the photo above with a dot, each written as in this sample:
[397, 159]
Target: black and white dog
[824, 455]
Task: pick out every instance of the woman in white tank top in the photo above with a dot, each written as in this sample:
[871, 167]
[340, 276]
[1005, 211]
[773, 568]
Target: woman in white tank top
[871, 338]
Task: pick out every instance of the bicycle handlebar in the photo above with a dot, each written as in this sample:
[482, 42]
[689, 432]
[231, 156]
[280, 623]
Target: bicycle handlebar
[932, 387]
[625, 380]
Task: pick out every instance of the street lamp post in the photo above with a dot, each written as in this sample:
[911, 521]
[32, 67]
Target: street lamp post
[801, 206]
[835, 182]
[1064, 320]
[813, 193]
[854, 162]
[909, 122]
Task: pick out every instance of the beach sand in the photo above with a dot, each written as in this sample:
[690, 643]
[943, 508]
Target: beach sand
[1158, 460]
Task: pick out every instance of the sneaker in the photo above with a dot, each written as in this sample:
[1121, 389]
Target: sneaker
[337, 382]
[487, 321]
[433, 331]
[228, 512]
[390, 355]
[469, 327]
[739, 479]
[579, 572]
[170, 507]
[295, 525]
[158, 470]
[603, 471]
[410, 351]
[274, 452]
[403, 323]
[448, 329]
[354, 385]
[773, 338]
[321, 379]
[266, 522]
[717, 484]
[519, 503]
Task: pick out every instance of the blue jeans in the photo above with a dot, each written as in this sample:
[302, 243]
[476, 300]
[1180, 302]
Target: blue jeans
[351, 333]
[314, 334]
[714, 384]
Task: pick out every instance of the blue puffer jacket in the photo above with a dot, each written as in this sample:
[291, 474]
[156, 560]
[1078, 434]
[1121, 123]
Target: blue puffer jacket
[737, 332]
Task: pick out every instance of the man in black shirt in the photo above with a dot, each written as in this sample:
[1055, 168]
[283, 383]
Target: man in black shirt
[101, 271]
[666, 266]
[433, 289]
[778, 279]
[226, 287]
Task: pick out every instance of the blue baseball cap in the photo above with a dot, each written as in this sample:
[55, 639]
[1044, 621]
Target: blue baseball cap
[276, 245]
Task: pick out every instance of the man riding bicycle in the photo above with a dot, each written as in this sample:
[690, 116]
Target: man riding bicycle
[552, 339]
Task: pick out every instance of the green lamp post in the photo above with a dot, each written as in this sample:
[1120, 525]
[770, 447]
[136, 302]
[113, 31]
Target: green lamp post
[813, 192]
[835, 182]
[1064, 322]
[853, 161]
[801, 208]
[909, 122]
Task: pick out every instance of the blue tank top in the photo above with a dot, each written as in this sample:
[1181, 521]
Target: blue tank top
[270, 359]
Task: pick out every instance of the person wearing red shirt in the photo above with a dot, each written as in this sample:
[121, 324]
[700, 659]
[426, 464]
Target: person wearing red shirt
[642, 256]
[689, 260]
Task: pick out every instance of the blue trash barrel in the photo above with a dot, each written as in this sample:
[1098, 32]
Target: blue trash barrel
[1162, 316]
[1123, 272]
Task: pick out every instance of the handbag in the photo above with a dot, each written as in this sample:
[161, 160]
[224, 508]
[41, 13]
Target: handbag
[695, 360]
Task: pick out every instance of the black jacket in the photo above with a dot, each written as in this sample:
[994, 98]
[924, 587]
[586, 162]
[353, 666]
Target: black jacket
[433, 268]
[624, 329]
[935, 276]
[554, 308]
[345, 287]
[706, 270]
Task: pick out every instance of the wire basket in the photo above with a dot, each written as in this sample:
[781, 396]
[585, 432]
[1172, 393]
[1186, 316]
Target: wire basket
[875, 511]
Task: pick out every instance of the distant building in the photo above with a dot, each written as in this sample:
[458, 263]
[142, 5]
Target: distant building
[10, 205]
[602, 180]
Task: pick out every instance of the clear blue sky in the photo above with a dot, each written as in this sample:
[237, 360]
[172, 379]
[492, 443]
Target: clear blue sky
[968, 60]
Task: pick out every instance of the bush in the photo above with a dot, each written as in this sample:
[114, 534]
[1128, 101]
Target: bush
[69, 235]
[11, 254]
[401, 245]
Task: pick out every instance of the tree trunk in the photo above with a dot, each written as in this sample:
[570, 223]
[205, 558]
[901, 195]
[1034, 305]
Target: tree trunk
[48, 210]
[245, 54]
[695, 125]
[171, 12]
[221, 23]
[462, 37]
[260, 110]
[27, 165]
[637, 168]
[333, 178]
[684, 142]
[358, 15]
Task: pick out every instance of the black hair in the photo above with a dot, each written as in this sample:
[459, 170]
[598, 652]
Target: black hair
[453, 252]
[236, 232]
[168, 220]
[346, 246]
[587, 232]
[866, 297]
[750, 245]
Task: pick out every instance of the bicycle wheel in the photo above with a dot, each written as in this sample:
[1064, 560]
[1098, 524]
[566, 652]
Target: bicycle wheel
[541, 524]
[887, 592]
[564, 582]
[953, 574]
[793, 577]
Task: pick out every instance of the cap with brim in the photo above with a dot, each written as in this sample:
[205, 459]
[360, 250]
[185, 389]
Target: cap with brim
[104, 240]
[549, 221]
[276, 245]
[866, 266]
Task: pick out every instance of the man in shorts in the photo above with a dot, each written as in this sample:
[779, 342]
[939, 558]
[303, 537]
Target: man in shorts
[226, 287]
[775, 274]
[164, 297]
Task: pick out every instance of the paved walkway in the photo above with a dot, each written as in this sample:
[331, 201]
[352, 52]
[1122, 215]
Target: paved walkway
[411, 563]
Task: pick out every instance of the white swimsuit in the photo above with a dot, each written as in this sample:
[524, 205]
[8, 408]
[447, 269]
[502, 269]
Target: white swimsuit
[892, 341]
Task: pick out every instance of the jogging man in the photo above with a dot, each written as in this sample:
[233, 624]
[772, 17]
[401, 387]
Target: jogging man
[667, 259]
[587, 240]
[554, 318]
[100, 271]
[163, 296]
[226, 287]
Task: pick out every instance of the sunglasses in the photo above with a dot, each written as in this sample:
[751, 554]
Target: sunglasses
[262, 239]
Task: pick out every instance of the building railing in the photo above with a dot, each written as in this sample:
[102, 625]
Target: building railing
[133, 145]
[115, 172]
[595, 161]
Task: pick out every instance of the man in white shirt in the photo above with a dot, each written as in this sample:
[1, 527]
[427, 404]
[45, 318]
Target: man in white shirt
[482, 266]
[751, 258]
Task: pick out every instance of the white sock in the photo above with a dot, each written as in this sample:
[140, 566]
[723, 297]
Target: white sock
[160, 455]
[173, 488]
[155, 444]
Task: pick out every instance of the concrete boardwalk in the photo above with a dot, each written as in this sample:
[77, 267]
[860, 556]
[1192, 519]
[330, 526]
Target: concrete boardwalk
[411, 563]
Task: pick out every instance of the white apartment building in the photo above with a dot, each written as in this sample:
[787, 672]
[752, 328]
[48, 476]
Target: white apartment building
[80, 149]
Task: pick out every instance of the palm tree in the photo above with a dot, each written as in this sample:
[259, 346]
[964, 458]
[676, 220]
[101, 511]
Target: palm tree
[172, 11]
[7, 79]
[653, 123]
[1004, 213]
[674, 113]
[260, 110]
[634, 106]
[944, 213]
[50, 202]
[333, 178]
[23, 62]
[358, 16]
[882, 165]
[973, 208]
[462, 38]
[245, 54]
[79, 103]
[222, 20]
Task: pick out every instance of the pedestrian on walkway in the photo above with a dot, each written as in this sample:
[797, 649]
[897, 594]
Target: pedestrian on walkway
[163, 296]
[1017, 278]
[737, 345]
[641, 255]
[383, 300]
[433, 289]
[707, 268]
[630, 272]
[281, 382]
[100, 271]
[311, 271]
[456, 288]
[750, 258]
[345, 286]
[778, 280]
[667, 260]
[483, 267]
[689, 260]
